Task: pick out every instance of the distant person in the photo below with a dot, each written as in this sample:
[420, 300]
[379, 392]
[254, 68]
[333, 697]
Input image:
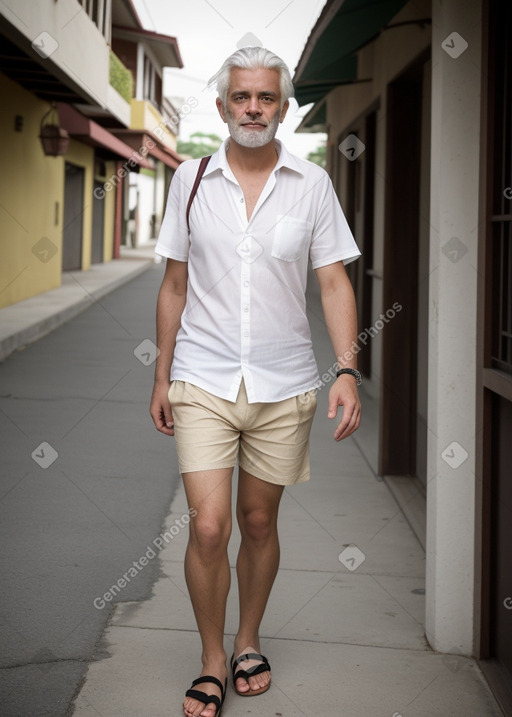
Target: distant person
[236, 373]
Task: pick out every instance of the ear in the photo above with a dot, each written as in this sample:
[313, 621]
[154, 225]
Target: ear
[220, 107]
[284, 111]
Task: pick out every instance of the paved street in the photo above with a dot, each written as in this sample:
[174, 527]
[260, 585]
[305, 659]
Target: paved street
[71, 528]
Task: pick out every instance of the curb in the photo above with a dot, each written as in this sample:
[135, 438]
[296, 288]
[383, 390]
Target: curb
[34, 331]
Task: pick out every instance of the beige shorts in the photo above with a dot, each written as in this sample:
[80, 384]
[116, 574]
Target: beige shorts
[271, 440]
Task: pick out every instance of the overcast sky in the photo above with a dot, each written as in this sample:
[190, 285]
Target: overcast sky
[210, 30]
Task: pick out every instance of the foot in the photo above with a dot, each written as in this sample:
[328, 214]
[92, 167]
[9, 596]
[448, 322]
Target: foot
[195, 708]
[254, 684]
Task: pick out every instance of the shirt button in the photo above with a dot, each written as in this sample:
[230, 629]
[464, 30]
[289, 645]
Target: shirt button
[246, 308]
[241, 200]
[246, 283]
[246, 333]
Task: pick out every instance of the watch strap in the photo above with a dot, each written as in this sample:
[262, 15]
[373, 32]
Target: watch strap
[353, 372]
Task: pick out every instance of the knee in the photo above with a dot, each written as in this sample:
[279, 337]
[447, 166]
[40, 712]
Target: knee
[257, 525]
[209, 534]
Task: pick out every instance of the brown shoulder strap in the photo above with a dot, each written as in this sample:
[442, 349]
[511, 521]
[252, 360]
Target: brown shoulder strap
[202, 166]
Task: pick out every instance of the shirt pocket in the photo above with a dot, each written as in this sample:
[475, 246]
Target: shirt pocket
[292, 238]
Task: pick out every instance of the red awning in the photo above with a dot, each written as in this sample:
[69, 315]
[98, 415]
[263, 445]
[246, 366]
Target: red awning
[89, 132]
[149, 144]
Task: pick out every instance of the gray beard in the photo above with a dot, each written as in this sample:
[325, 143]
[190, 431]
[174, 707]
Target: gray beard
[252, 138]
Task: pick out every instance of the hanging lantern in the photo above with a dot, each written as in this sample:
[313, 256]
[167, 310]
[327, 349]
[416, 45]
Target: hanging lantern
[54, 139]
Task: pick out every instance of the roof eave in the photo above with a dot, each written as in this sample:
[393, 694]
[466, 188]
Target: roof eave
[165, 47]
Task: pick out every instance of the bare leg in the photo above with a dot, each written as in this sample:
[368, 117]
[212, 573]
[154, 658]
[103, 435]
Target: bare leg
[257, 564]
[207, 573]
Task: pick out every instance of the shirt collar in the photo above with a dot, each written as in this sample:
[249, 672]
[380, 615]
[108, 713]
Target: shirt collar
[285, 160]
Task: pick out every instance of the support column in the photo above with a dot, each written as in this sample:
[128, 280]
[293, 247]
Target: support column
[456, 78]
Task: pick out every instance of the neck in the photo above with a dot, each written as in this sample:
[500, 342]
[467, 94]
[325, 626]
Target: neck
[252, 159]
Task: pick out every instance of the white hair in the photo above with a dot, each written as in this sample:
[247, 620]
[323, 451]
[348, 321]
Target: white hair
[252, 58]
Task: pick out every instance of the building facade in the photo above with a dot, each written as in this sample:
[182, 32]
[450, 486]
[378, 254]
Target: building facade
[69, 206]
[416, 99]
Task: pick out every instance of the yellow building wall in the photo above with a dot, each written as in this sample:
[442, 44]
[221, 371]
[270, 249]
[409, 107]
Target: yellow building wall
[31, 192]
[32, 200]
[146, 117]
[110, 207]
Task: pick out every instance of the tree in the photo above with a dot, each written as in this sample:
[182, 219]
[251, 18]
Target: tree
[199, 144]
[319, 155]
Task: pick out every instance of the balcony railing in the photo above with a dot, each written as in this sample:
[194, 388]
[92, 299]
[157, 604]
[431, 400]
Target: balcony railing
[100, 12]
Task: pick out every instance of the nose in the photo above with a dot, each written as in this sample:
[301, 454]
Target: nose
[253, 107]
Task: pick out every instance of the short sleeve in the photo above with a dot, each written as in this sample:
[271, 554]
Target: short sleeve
[173, 239]
[332, 239]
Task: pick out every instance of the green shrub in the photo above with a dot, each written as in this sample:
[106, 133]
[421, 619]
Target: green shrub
[120, 77]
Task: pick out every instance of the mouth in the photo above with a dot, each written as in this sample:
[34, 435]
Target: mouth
[253, 125]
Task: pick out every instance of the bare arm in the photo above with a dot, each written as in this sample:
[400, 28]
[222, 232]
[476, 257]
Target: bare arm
[170, 305]
[339, 306]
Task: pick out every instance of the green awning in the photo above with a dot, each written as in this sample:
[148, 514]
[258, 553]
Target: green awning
[315, 120]
[329, 58]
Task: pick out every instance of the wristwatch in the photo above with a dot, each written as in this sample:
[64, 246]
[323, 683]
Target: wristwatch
[353, 371]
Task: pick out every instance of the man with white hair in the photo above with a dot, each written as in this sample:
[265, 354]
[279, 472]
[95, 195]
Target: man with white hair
[236, 375]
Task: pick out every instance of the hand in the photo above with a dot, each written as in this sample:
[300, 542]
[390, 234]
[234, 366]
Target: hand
[160, 408]
[344, 393]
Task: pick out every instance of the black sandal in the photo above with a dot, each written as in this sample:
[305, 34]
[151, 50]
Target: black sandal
[245, 674]
[208, 699]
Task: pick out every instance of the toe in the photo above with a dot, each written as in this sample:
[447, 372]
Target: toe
[188, 708]
[242, 685]
[259, 681]
[208, 711]
[193, 708]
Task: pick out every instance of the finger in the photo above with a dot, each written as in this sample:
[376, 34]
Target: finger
[166, 422]
[352, 425]
[344, 424]
[169, 420]
[332, 409]
[163, 429]
[160, 421]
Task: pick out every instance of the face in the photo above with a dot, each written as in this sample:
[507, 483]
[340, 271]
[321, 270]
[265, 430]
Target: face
[253, 107]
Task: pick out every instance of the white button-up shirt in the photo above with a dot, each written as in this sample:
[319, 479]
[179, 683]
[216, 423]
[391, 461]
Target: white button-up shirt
[245, 312]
